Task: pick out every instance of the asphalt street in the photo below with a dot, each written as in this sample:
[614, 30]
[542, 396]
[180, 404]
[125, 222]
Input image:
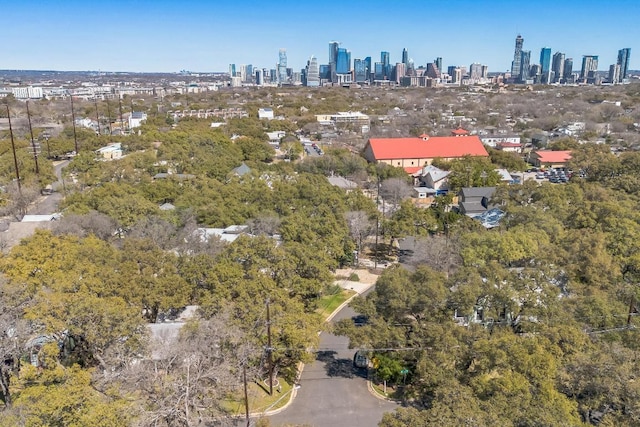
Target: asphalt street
[332, 392]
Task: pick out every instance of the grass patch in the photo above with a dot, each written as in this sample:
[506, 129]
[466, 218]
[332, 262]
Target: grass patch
[328, 303]
[259, 398]
[391, 393]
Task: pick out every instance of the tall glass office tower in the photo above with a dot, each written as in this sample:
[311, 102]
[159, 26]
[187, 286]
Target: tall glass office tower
[516, 65]
[557, 66]
[545, 64]
[343, 62]
[386, 66]
[525, 65]
[624, 55]
[333, 60]
[282, 66]
[360, 70]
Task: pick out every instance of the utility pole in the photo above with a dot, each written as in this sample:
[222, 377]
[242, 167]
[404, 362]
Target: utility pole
[33, 142]
[13, 148]
[631, 309]
[121, 122]
[246, 393]
[73, 119]
[95, 102]
[269, 350]
[109, 118]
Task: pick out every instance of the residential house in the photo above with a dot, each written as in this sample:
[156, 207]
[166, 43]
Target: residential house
[227, 235]
[414, 153]
[550, 159]
[111, 151]
[512, 147]
[434, 178]
[136, 118]
[241, 170]
[475, 200]
[275, 137]
[265, 113]
[496, 140]
[341, 182]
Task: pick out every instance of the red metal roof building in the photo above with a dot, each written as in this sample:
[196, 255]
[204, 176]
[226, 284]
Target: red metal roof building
[550, 159]
[410, 153]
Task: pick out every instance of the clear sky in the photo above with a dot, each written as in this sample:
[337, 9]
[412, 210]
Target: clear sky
[208, 35]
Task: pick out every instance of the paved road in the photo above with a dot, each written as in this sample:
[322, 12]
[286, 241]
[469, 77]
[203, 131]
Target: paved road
[49, 204]
[332, 392]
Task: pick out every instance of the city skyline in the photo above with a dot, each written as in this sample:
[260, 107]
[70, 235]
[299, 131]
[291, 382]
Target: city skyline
[145, 36]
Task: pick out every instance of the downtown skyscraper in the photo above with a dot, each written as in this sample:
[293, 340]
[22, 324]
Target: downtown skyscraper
[557, 67]
[624, 55]
[282, 66]
[545, 65]
[313, 73]
[516, 64]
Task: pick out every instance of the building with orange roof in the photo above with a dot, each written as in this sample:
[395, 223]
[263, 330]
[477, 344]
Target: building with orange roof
[550, 159]
[409, 153]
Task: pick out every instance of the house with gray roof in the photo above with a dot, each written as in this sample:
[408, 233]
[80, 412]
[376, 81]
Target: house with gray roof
[473, 201]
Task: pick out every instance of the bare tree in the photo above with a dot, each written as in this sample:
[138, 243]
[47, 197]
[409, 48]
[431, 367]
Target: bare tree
[188, 378]
[395, 190]
[20, 198]
[264, 224]
[440, 252]
[159, 231]
[360, 226]
[14, 332]
[96, 223]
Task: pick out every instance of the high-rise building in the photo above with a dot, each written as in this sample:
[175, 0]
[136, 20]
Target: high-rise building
[557, 67]
[312, 73]
[516, 65]
[432, 71]
[624, 55]
[249, 72]
[378, 73]
[567, 73]
[525, 66]
[333, 59]
[475, 72]
[325, 72]
[369, 67]
[545, 65]
[259, 77]
[360, 70]
[589, 67]
[438, 62]
[399, 72]
[343, 61]
[282, 66]
[455, 73]
[386, 65]
[405, 57]
[232, 70]
[614, 73]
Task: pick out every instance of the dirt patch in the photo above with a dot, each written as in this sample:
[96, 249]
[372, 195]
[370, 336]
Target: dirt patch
[365, 276]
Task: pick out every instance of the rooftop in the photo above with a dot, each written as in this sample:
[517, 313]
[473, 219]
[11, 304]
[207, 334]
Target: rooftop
[427, 148]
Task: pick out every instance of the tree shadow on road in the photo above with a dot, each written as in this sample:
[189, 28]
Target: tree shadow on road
[339, 367]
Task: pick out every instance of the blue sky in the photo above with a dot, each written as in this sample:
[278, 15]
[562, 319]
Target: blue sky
[208, 35]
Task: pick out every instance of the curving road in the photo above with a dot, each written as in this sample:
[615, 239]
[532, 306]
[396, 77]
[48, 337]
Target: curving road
[332, 392]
